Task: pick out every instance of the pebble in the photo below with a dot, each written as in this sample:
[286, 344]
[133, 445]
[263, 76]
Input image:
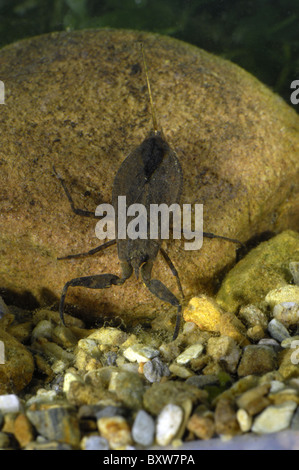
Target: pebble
[64, 336]
[288, 293]
[288, 366]
[270, 342]
[110, 410]
[43, 329]
[226, 351]
[4, 440]
[203, 427]
[155, 369]
[253, 316]
[180, 371]
[23, 430]
[295, 420]
[201, 381]
[277, 330]
[94, 443]
[143, 430]
[287, 313]
[257, 360]
[90, 346]
[226, 422]
[253, 401]
[274, 418]
[4, 310]
[55, 423]
[140, 353]
[70, 377]
[17, 371]
[176, 392]
[291, 342]
[42, 396]
[116, 430]
[168, 423]
[294, 269]
[192, 352]
[208, 316]
[244, 419]
[47, 446]
[9, 403]
[276, 385]
[109, 336]
[255, 333]
[129, 388]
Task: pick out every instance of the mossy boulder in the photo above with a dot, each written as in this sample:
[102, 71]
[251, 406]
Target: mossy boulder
[78, 101]
[263, 269]
[17, 368]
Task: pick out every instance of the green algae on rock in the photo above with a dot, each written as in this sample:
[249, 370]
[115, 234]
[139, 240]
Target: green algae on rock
[18, 367]
[77, 100]
[263, 269]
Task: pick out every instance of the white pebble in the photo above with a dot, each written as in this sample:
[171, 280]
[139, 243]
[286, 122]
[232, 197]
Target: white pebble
[68, 379]
[168, 424]
[244, 420]
[274, 418]
[140, 353]
[190, 353]
[9, 403]
[43, 329]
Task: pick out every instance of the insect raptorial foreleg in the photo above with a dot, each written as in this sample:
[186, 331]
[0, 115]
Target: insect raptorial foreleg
[157, 288]
[95, 250]
[98, 281]
[77, 211]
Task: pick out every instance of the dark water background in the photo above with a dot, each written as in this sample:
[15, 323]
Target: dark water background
[262, 36]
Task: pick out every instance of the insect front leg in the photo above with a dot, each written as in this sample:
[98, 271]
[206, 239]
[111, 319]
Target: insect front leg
[77, 211]
[97, 281]
[157, 288]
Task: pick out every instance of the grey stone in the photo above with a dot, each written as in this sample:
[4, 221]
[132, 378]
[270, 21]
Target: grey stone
[277, 330]
[201, 381]
[143, 429]
[111, 411]
[94, 443]
[56, 424]
[155, 369]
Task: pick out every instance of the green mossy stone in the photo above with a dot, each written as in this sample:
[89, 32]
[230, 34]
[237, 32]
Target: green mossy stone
[263, 269]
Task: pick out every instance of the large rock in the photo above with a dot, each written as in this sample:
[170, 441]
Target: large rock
[78, 101]
[16, 370]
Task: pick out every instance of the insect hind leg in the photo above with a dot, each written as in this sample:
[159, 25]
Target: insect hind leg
[97, 281]
[157, 288]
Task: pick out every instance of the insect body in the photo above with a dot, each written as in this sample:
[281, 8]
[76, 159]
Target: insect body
[151, 174]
